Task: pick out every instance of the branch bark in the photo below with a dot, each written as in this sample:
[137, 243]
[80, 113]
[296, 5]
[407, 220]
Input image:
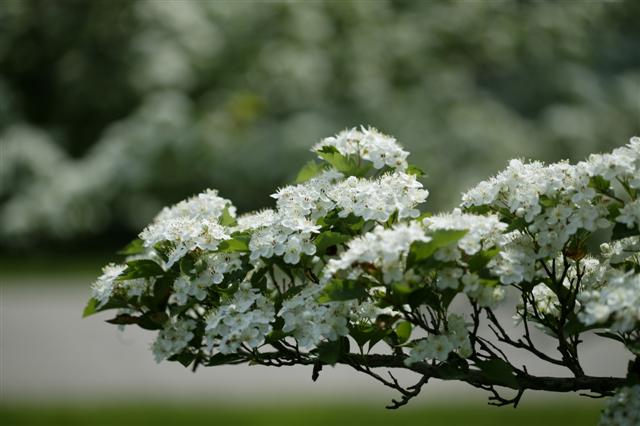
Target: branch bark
[474, 377]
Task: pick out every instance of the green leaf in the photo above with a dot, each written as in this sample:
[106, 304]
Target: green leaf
[350, 165]
[330, 352]
[447, 296]
[517, 223]
[547, 202]
[499, 372]
[338, 290]
[482, 258]
[421, 250]
[141, 268]
[123, 319]
[91, 308]
[134, 247]
[161, 293]
[368, 333]
[222, 359]
[152, 320]
[402, 288]
[227, 219]
[403, 331]
[361, 334]
[329, 239]
[613, 336]
[309, 171]
[425, 295]
[239, 242]
[184, 358]
[423, 216]
[480, 210]
[187, 264]
[413, 170]
[600, 184]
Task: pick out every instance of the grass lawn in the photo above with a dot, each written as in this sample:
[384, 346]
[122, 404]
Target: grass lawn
[323, 414]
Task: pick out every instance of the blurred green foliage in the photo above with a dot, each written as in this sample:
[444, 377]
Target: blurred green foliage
[110, 109]
[321, 414]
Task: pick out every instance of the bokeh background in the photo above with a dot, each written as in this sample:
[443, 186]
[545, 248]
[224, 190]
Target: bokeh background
[111, 109]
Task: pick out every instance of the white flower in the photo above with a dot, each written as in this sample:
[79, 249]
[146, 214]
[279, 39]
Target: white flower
[378, 199]
[136, 287]
[311, 322]
[630, 214]
[102, 289]
[438, 347]
[435, 347]
[554, 200]
[190, 224]
[621, 250]
[207, 205]
[386, 249]
[173, 338]
[368, 144]
[516, 261]
[309, 199]
[617, 299]
[449, 278]
[243, 320]
[260, 219]
[483, 231]
[485, 294]
[184, 234]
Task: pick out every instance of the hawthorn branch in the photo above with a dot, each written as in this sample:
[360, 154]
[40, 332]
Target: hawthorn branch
[523, 380]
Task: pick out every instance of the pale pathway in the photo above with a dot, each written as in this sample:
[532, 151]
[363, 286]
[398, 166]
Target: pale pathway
[47, 352]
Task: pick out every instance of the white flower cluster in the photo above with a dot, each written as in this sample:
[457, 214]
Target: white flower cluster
[546, 301]
[622, 163]
[280, 235]
[102, 289]
[244, 320]
[190, 224]
[374, 199]
[137, 286]
[555, 201]
[215, 266]
[630, 214]
[173, 338]
[107, 284]
[486, 294]
[288, 230]
[184, 234]
[483, 233]
[516, 261]
[368, 144]
[379, 199]
[207, 205]
[255, 220]
[438, 347]
[621, 250]
[311, 322]
[384, 249]
[618, 301]
[310, 199]
[622, 409]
